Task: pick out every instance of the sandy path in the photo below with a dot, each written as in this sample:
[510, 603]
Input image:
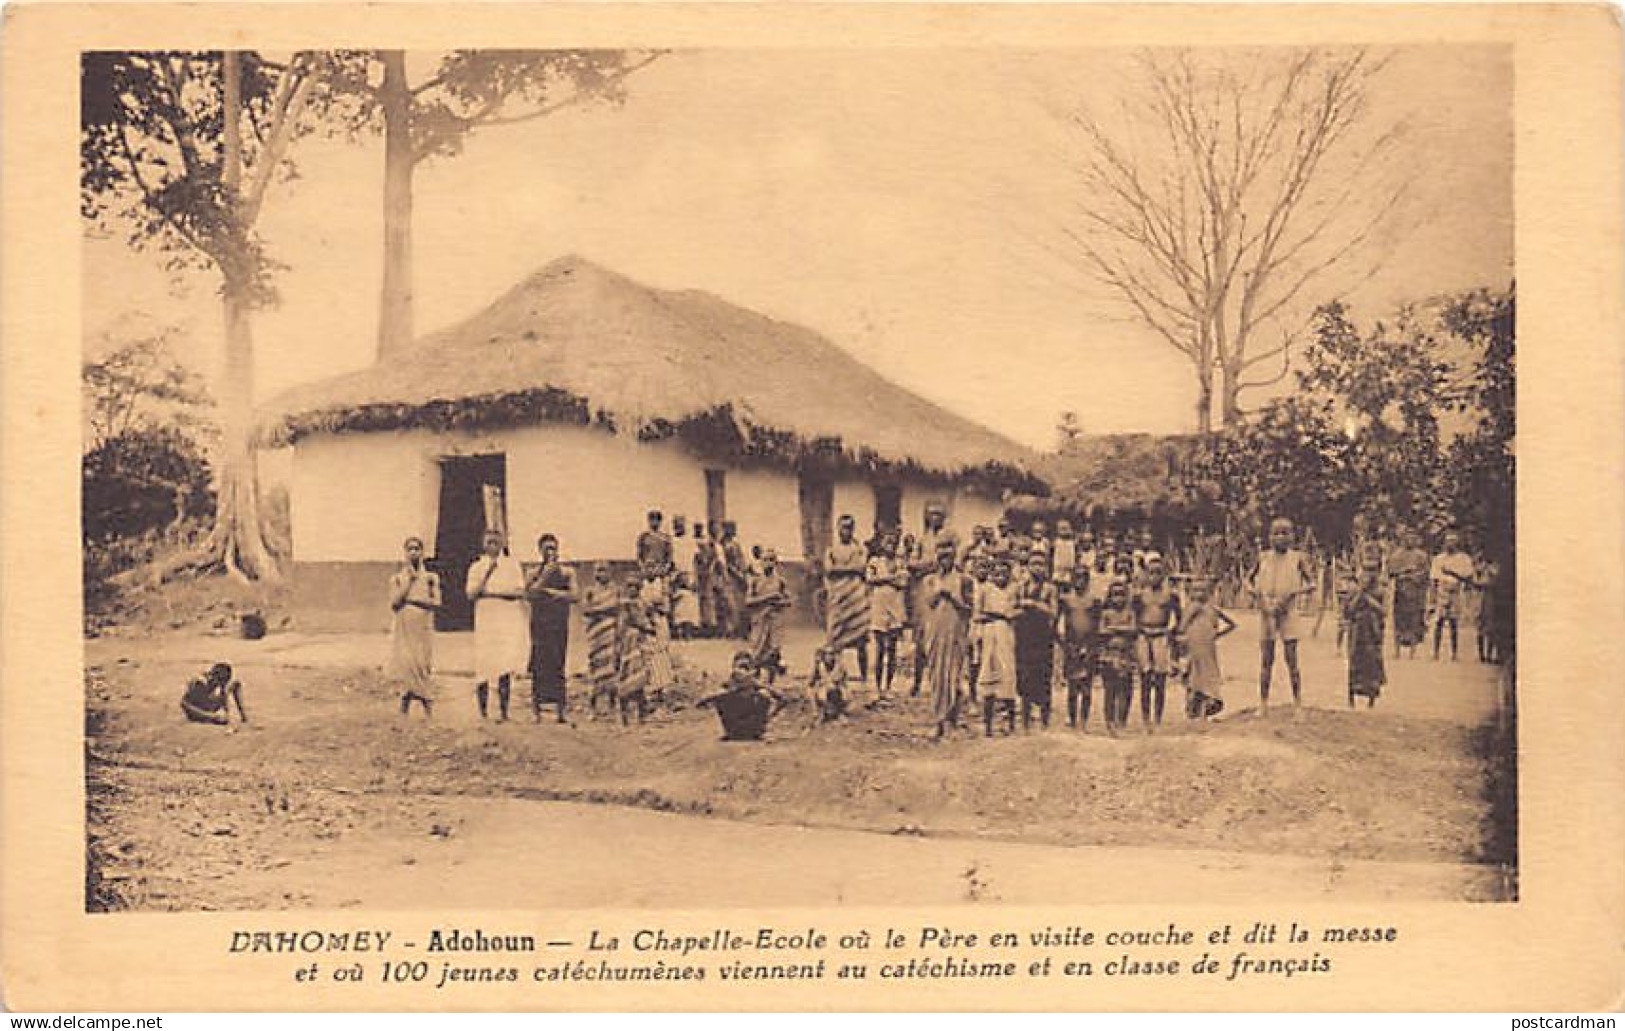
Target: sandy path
[330, 800]
[509, 852]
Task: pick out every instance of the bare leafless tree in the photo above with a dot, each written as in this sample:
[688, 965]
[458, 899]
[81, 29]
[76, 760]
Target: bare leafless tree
[1225, 189]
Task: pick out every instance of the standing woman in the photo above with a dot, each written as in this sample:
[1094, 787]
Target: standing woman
[414, 596]
[767, 599]
[1363, 614]
[636, 630]
[945, 603]
[923, 558]
[656, 597]
[888, 579]
[736, 570]
[601, 609]
[496, 586]
[703, 570]
[1036, 605]
[1408, 568]
[551, 590]
[846, 607]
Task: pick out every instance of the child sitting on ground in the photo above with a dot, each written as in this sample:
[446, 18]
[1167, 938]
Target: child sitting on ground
[828, 683]
[745, 705]
[208, 696]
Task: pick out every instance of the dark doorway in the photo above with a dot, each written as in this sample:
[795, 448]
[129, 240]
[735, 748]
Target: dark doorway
[716, 497]
[473, 490]
[889, 505]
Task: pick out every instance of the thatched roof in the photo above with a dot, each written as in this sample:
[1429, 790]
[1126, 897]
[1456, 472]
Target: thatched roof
[1119, 472]
[579, 343]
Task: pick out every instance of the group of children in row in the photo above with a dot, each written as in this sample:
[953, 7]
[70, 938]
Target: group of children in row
[522, 624]
[990, 619]
[707, 573]
[997, 622]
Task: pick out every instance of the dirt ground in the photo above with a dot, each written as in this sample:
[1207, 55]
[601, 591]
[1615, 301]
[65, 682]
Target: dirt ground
[328, 778]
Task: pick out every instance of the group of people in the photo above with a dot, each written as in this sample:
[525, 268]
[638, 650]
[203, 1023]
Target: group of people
[996, 622]
[708, 572]
[522, 620]
[1004, 618]
[1437, 592]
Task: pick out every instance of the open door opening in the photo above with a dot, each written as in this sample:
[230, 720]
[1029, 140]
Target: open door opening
[716, 498]
[473, 497]
[888, 505]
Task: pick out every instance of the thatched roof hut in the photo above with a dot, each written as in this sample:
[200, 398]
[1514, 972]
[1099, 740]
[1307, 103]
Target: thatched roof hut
[1117, 474]
[579, 400]
[578, 343]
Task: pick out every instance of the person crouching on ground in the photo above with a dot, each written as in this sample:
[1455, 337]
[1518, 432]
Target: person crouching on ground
[209, 697]
[766, 600]
[745, 705]
[828, 683]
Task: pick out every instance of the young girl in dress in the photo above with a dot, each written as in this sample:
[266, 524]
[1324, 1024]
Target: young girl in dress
[1199, 634]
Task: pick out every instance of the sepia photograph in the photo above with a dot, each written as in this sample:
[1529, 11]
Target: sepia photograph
[707, 477]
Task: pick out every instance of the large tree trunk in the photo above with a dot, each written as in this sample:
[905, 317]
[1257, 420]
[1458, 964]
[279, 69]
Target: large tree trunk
[238, 541]
[1230, 397]
[395, 300]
